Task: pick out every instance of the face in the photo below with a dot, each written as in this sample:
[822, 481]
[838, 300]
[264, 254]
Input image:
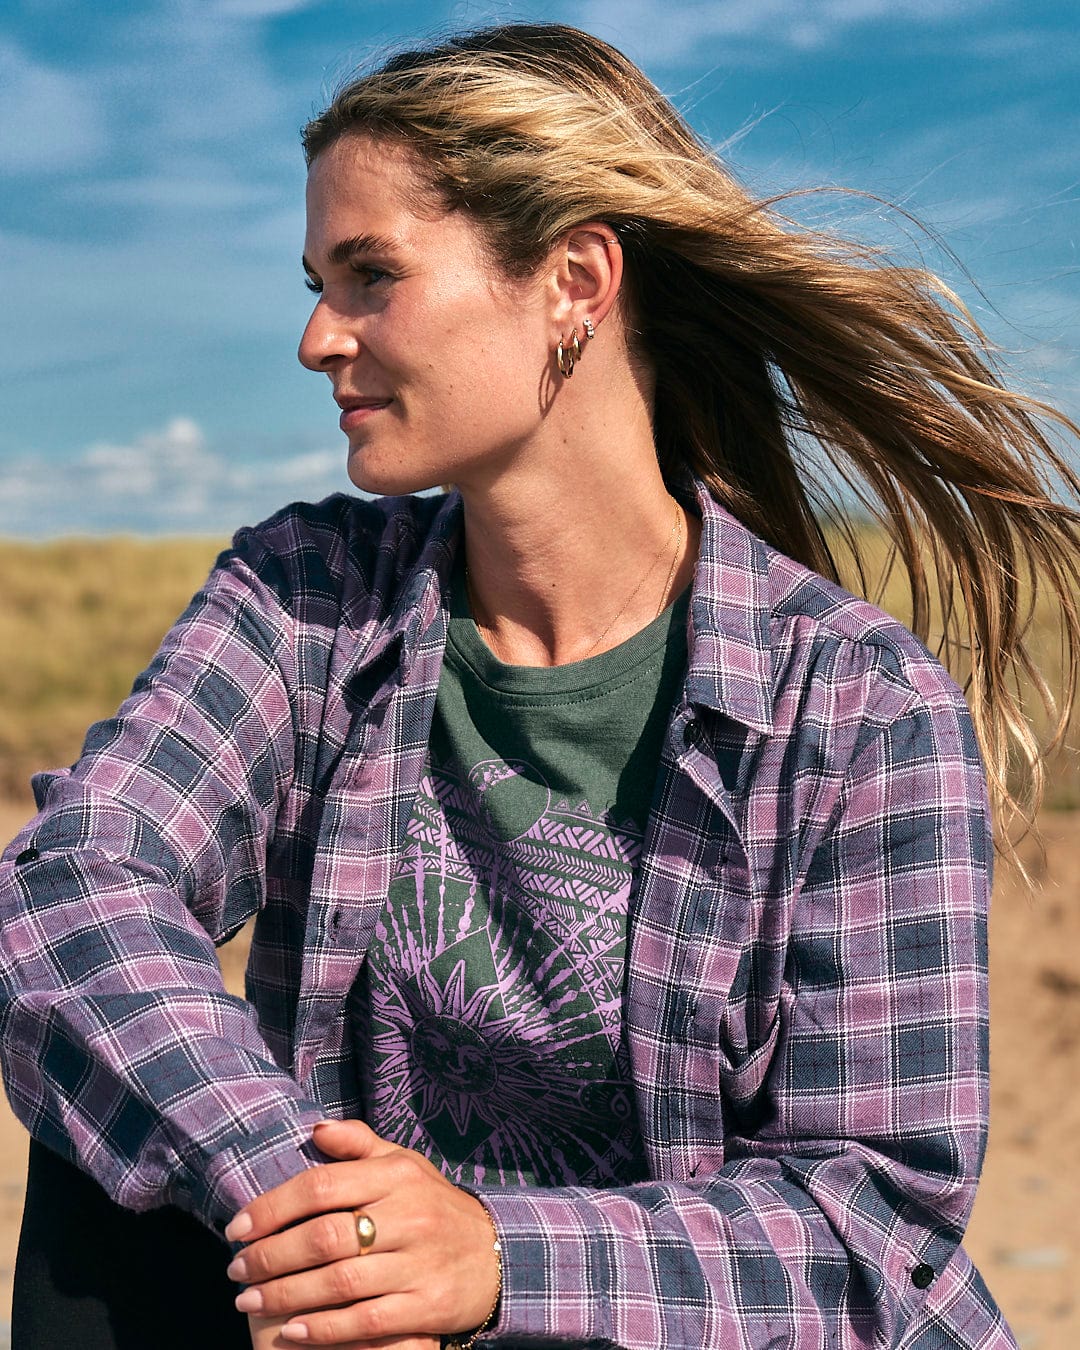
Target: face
[435, 358]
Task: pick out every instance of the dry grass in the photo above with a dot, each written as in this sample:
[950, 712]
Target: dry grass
[79, 618]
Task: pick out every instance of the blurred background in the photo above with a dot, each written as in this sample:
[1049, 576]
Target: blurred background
[151, 226]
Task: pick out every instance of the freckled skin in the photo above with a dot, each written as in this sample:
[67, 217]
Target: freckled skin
[461, 351]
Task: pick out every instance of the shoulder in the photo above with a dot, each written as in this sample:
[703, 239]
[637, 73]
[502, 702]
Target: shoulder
[861, 707]
[346, 552]
[821, 675]
[855, 690]
[815, 621]
[787, 651]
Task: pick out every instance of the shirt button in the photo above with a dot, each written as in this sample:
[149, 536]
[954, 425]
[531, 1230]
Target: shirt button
[922, 1277]
[28, 855]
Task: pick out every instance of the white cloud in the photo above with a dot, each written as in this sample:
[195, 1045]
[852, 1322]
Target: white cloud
[52, 121]
[166, 480]
[260, 9]
[170, 79]
[187, 77]
[656, 31]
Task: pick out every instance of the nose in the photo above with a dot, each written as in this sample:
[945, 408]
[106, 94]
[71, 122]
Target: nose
[326, 340]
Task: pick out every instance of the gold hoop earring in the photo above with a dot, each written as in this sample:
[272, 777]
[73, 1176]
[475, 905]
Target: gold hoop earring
[567, 357]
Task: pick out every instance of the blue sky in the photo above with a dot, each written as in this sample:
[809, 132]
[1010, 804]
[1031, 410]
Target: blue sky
[151, 208]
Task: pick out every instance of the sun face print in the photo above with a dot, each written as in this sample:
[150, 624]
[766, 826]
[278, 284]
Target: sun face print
[492, 1001]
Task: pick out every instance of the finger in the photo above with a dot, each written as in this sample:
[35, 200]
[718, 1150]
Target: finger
[340, 1282]
[350, 1139]
[399, 1343]
[373, 1320]
[319, 1190]
[264, 1336]
[317, 1242]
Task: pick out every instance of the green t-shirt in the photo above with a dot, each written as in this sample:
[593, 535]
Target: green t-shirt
[488, 1014]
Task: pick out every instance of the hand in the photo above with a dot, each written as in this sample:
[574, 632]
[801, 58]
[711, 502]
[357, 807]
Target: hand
[431, 1271]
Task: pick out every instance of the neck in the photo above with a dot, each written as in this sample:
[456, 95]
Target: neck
[568, 560]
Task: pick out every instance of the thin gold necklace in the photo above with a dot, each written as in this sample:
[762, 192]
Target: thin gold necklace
[676, 531]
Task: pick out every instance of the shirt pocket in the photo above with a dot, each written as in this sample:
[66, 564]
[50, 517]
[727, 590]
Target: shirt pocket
[739, 1010]
[742, 1068]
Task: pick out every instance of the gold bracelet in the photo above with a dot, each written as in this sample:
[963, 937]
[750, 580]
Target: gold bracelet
[455, 1342]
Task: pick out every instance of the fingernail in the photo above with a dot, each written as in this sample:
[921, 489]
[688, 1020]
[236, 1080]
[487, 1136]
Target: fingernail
[237, 1270]
[239, 1228]
[250, 1301]
[295, 1331]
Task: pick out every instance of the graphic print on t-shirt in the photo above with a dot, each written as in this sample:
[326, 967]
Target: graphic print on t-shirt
[487, 1018]
[491, 1007]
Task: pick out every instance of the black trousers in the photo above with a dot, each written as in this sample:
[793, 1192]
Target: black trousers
[94, 1276]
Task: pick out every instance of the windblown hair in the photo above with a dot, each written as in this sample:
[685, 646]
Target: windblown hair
[794, 370]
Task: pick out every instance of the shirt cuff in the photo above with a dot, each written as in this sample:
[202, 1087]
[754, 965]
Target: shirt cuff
[551, 1287]
[254, 1165]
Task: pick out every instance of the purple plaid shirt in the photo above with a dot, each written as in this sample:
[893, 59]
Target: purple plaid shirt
[805, 999]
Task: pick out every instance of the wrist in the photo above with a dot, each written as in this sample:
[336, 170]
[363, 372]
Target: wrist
[465, 1340]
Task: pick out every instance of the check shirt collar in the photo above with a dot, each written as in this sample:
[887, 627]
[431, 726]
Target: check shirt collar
[405, 615]
[730, 662]
[730, 667]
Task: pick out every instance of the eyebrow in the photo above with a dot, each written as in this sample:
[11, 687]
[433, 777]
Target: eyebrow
[345, 249]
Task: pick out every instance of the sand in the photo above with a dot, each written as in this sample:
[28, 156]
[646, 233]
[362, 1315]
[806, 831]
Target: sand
[1025, 1231]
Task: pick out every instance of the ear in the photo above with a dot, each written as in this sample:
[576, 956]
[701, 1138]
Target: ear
[586, 276]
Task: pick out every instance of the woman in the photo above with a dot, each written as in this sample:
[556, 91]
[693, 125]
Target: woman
[625, 875]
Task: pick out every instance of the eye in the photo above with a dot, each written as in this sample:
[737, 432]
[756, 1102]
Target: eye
[314, 286]
[373, 275]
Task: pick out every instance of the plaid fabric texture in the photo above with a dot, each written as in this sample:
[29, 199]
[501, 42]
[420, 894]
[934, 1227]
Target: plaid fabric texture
[806, 986]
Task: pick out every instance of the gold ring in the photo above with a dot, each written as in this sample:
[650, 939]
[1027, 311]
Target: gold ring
[365, 1230]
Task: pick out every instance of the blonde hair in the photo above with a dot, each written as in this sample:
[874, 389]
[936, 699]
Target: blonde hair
[778, 351]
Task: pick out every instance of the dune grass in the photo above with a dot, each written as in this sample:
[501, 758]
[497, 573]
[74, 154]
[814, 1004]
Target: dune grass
[887, 586]
[79, 618]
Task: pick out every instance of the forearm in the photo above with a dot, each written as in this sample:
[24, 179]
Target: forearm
[785, 1247]
[797, 1249]
[122, 1049]
[187, 1117]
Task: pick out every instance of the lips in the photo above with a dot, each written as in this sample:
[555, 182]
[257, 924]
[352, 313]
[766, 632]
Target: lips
[347, 402]
[357, 410]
